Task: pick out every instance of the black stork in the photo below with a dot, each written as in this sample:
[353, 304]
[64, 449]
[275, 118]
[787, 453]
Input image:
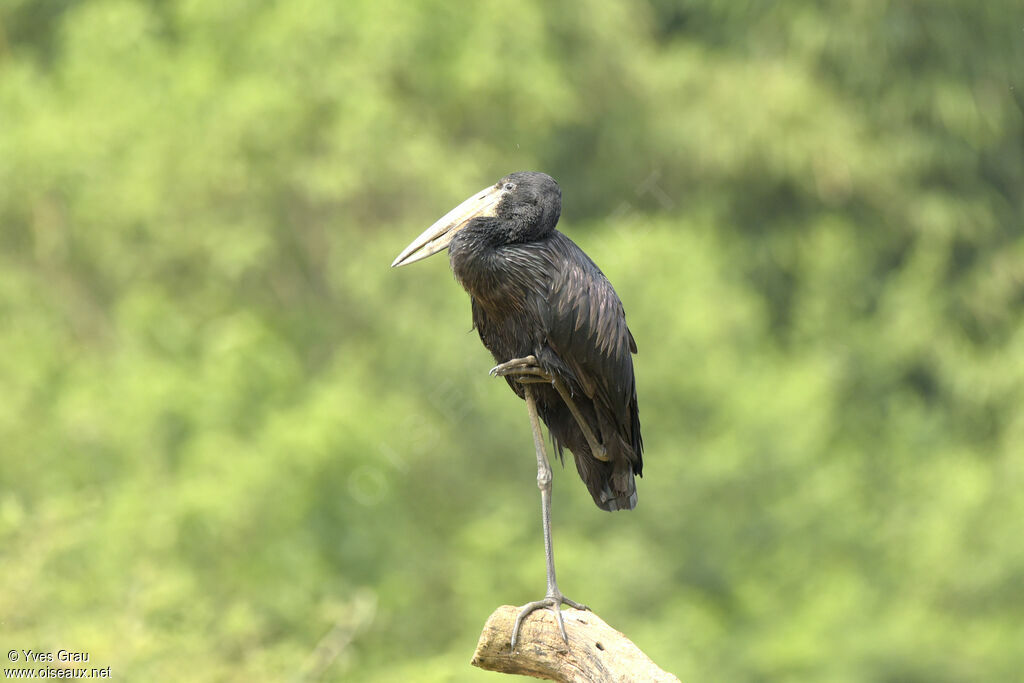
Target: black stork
[558, 332]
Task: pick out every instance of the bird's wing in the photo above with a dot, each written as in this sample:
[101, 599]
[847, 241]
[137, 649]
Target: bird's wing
[586, 328]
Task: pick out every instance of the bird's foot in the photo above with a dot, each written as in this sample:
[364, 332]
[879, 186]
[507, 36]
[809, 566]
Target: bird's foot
[552, 601]
[524, 369]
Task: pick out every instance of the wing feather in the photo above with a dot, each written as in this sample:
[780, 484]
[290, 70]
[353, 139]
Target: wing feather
[587, 330]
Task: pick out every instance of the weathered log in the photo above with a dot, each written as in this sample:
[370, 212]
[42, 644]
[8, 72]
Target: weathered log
[595, 651]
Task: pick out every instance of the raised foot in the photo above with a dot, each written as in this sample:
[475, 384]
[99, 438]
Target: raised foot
[525, 368]
[552, 602]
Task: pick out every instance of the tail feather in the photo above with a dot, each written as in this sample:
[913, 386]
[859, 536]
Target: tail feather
[611, 485]
[612, 503]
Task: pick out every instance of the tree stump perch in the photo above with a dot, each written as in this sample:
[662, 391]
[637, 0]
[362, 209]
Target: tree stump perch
[595, 652]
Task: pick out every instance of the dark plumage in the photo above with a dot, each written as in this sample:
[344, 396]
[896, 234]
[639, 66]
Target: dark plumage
[534, 292]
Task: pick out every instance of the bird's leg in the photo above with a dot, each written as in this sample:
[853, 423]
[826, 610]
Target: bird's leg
[596, 449]
[553, 598]
[527, 371]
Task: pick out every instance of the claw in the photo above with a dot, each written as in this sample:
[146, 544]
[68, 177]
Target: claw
[552, 602]
[561, 623]
[575, 605]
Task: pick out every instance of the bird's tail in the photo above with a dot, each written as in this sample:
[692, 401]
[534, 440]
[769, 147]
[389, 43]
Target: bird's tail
[611, 484]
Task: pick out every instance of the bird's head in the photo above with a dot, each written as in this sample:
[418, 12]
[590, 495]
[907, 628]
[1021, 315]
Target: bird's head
[520, 207]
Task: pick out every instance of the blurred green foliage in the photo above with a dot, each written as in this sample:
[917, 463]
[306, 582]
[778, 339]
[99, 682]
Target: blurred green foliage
[236, 446]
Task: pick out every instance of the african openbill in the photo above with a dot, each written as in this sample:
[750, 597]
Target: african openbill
[557, 330]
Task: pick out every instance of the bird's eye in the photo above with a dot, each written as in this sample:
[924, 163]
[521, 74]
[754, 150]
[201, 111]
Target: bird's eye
[509, 186]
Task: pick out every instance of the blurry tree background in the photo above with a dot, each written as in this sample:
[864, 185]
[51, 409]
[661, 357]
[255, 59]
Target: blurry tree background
[235, 445]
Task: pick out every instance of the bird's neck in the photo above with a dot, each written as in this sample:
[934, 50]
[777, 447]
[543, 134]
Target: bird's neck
[474, 259]
[491, 267]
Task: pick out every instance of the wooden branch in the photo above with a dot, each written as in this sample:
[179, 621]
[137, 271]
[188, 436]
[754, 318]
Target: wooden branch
[596, 651]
